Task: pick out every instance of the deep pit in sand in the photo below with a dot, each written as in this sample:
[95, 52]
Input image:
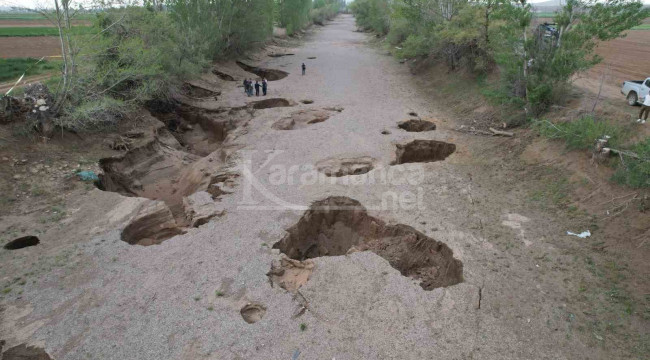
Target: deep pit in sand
[268, 74]
[340, 225]
[416, 125]
[423, 151]
[180, 165]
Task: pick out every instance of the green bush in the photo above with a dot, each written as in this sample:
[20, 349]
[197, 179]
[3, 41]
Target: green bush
[414, 46]
[293, 14]
[400, 29]
[321, 14]
[581, 133]
[94, 115]
[635, 172]
[372, 15]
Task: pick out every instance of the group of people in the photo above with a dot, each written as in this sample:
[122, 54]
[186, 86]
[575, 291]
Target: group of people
[248, 87]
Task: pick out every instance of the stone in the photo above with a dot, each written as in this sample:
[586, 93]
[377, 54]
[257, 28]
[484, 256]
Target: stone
[200, 208]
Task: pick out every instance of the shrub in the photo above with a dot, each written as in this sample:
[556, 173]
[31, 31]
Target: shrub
[94, 115]
[635, 172]
[580, 133]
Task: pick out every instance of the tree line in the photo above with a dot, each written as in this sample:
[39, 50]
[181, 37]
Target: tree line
[535, 60]
[139, 53]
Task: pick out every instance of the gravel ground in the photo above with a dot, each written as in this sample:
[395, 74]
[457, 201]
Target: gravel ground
[181, 300]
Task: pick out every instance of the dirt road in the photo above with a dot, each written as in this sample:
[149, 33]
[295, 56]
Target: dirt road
[453, 260]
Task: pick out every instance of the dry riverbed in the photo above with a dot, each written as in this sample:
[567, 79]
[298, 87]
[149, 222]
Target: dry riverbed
[340, 216]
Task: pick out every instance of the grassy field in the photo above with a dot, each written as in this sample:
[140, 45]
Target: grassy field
[34, 16]
[41, 31]
[544, 14]
[642, 27]
[13, 68]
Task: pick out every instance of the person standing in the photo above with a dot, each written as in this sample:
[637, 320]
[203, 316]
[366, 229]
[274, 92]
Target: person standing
[257, 88]
[304, 67]
[250, 87]
[645, 108]
[264, 86]
[245, 86]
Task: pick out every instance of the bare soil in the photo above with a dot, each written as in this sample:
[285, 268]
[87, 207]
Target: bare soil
[31, 46]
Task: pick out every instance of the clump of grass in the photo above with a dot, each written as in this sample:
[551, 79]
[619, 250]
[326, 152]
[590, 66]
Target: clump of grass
[303, 327]
[581, 133]
[635, 172]
[219, 293]
[554, 191]
[197, 298]
[210, 308]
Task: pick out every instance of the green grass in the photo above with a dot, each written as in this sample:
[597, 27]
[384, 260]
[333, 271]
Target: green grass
[554, 190]
[13, 68]
[41, 31]
[635, 172]
[581, 133]
[642, 27]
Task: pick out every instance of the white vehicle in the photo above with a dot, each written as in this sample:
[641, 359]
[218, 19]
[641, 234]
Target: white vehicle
[636, 91]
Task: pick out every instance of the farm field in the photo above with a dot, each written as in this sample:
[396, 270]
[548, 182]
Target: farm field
[39, 31]
[15, 67]
[28, 35]
[35, 17]
[35, 46]
[624, 59]
[4, 23]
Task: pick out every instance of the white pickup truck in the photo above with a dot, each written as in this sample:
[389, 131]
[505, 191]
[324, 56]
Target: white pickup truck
[635, 91]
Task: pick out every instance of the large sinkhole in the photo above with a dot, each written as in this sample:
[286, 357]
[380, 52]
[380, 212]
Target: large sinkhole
[416, 125]
[423, 151]
[25, 352]
[268, 74]
[270, 103]
[178, 163]
[346, 166]
[339, 225]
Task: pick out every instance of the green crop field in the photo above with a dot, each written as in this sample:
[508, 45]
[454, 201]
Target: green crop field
[11, 69]
[642, 27]
[41, 31]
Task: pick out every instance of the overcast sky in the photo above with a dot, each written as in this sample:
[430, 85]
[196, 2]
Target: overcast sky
[50, 3]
